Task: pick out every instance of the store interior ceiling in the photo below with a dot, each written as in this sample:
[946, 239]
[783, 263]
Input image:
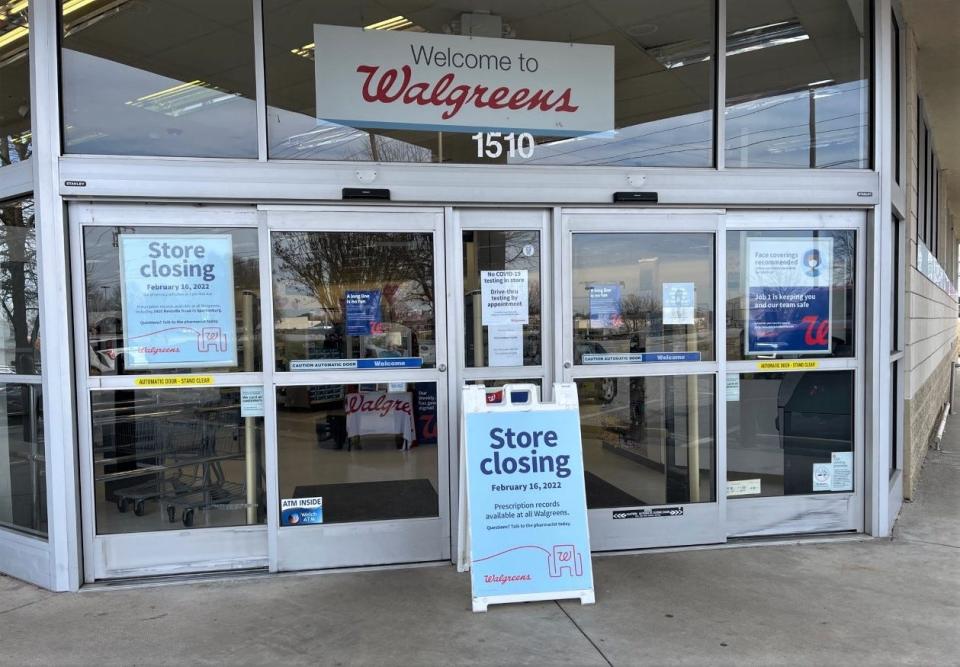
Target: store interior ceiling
[936, 26]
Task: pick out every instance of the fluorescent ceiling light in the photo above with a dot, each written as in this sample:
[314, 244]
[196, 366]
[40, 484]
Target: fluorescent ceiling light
[822, 82]
[182, 98]
[14, 35]
[14, 7]
[681, 54]
[395, 23]
[305, 51]
[766, 36]
[71, 6]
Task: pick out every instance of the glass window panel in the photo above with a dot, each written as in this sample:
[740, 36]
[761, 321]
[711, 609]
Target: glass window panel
[784, 426]
[895, 284]
[153, 77]
[20, 319]
[842, 291]
[894, 416]
[23, 481]
[15, 133]
[619, 282]
[648, 440]
[110, 354]
[895, 101]
[798, 84]
[387, 279]
[518, 345]
[168, 459]
[369, 450]
[663, 72]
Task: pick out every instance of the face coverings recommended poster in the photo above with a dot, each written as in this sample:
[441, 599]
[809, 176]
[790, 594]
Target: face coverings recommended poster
[178, 302]
[788, 295]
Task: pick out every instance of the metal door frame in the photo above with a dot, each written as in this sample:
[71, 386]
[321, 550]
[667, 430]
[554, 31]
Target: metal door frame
[702, 522]
[490, 218]
[815, 513]
[367, 542]
[148, 553]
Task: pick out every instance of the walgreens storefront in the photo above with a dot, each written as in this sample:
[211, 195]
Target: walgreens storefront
[292, 232]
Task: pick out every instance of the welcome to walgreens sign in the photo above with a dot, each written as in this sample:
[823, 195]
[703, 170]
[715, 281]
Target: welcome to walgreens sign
[393, 79]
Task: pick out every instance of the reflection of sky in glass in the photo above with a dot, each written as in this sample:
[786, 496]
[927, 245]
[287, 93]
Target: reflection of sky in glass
[775, 131]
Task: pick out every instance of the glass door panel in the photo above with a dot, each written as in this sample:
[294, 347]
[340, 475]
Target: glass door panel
[794, 373]
[641, 345]
[359, 386]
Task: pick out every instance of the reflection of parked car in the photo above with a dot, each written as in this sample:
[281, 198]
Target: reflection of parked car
[601, 389]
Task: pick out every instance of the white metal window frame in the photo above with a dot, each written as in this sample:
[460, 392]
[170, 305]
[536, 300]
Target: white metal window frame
[146, 553]
[754, 517]
[243, 181]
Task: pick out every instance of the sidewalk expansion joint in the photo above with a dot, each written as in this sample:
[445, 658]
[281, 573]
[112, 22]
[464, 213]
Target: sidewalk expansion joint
[585, 635]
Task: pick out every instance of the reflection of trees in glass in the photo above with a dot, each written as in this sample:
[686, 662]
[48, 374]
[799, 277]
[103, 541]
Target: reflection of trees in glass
[18, 282]
[327, 264]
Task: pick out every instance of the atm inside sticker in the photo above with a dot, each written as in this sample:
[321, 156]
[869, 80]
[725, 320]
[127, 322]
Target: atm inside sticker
[301, 511]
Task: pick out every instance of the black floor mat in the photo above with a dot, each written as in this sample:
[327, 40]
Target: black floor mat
[374, 501]
[601, 493]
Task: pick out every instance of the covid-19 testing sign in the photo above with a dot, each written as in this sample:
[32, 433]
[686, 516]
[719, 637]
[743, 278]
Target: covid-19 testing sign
[788, 295]
[526, 504]
[178, 305]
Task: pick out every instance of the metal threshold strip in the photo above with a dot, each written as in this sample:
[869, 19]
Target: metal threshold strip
[263, 573]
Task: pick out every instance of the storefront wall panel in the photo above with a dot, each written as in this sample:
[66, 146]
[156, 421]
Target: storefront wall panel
[240, 182]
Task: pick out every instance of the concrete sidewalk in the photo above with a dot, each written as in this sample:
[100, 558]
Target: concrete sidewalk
[889, 601]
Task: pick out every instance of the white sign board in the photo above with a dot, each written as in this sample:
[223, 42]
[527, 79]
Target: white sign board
[402, 79]
[503, 296]
[523, 515]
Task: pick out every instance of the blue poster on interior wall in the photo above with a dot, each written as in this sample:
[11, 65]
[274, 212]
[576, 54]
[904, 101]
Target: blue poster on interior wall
[789, 295]
[177, 301]
[605, 306]
[363, 312]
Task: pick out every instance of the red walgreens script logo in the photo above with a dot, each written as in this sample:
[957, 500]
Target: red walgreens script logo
[394, 86]
[818, 331]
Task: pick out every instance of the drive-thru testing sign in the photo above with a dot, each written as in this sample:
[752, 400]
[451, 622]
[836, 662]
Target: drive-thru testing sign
[523, 517]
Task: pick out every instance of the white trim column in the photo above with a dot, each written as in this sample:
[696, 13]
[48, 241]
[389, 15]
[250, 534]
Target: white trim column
[58, 399]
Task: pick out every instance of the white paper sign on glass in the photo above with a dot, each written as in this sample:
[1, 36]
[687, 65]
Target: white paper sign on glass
[842, 463]
[177, 300]
[251, 401]
[505, 345]
[402, 79]
[503, 297]
[679, 303]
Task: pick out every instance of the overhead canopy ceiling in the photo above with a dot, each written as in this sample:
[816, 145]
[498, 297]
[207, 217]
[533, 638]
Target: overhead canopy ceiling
[936, 25]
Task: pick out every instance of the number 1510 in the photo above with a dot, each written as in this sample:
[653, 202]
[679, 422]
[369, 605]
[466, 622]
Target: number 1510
[518, 145]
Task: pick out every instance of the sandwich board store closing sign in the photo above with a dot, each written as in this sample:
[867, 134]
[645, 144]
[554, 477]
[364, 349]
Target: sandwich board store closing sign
[523, 526]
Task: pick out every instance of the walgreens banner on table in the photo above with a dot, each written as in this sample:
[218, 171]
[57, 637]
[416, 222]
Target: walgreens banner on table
[390, 79]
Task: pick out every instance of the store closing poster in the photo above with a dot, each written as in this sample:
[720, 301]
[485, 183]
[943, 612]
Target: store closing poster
[527, 505]
[788, 295]
[178, 301]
